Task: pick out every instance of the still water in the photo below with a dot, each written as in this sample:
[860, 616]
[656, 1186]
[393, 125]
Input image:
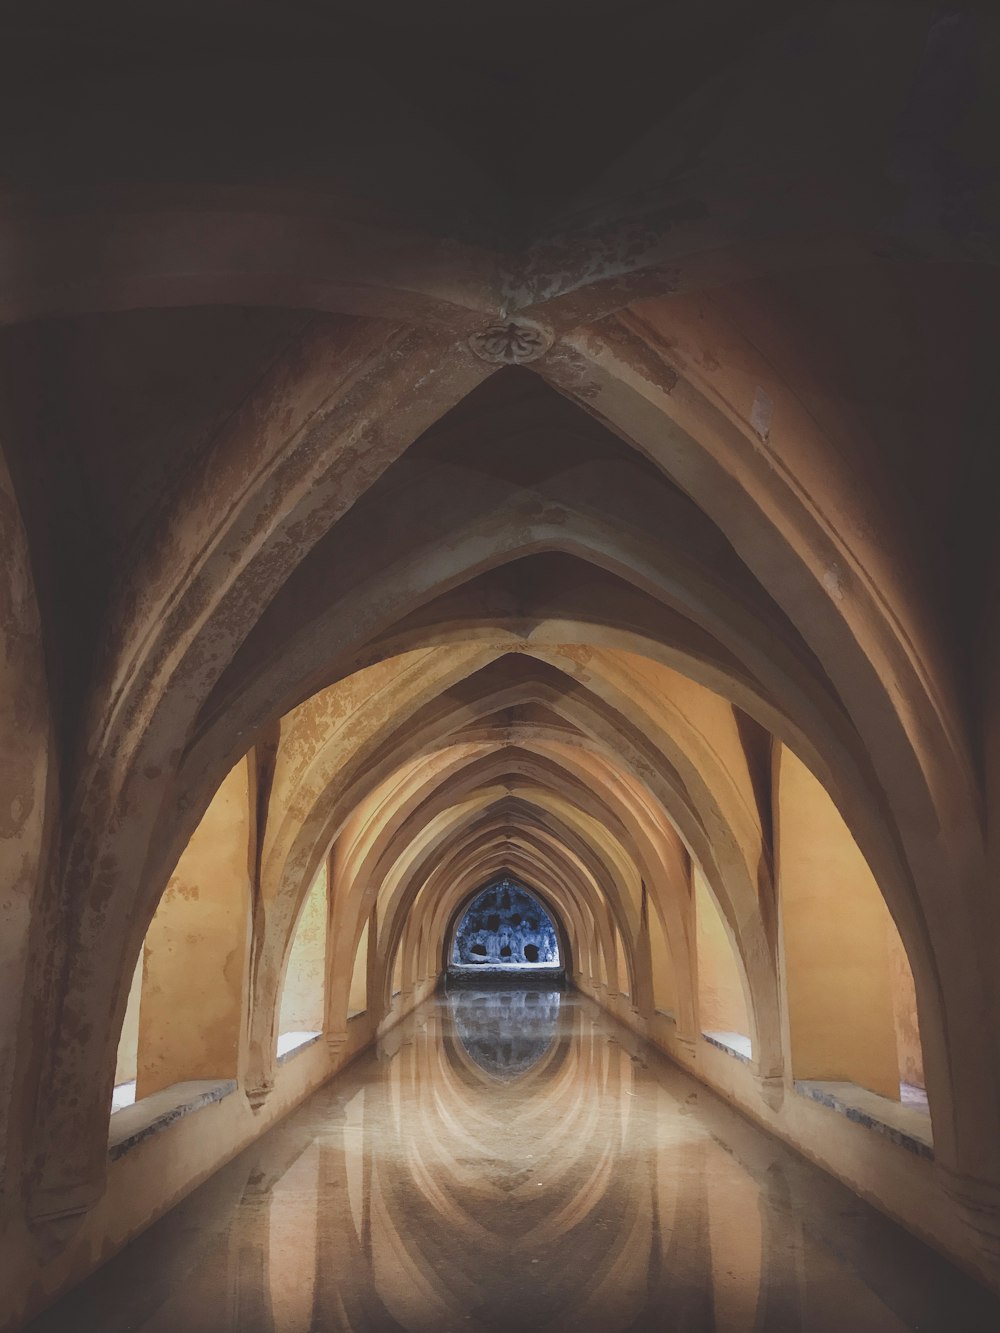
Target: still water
[512, 1160]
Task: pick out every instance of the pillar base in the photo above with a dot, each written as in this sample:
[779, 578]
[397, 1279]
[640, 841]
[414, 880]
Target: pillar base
[978, 1204]
[56, 1213]
[258, 1093]
[687, 1047]
[335, 1043]
[771, 1090]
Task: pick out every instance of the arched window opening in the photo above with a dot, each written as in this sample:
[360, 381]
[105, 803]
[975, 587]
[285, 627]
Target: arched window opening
[358, 1002]
[909, 1052]
[850, 992]
[505, 929]
[185, 1008]
[303, 996]
[128, 1045]
[722, 1007]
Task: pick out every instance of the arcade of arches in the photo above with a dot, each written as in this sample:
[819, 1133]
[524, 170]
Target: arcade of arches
[410, 484]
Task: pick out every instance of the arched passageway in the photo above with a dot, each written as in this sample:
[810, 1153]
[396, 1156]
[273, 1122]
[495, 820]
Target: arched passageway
[421, 474]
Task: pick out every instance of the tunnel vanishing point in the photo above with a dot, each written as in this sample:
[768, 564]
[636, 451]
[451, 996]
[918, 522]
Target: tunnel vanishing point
[448, 446]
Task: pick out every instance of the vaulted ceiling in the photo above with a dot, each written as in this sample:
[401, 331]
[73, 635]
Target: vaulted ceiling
[508, 421]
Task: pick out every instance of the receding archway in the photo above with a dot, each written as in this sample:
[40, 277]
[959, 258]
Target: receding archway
[505, 928]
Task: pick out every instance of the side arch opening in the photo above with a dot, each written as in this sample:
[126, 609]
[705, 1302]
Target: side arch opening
[854, 1030]
[302, 1008]
[184, 1018]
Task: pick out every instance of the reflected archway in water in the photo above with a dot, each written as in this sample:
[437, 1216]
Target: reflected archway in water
[600, 1192]
[505, 1032]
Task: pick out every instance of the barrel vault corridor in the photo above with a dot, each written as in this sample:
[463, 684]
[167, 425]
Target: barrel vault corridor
[498, 666]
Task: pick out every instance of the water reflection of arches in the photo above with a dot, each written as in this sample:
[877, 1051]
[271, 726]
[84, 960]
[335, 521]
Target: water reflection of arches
[550, 1199]
[594, 1192]
[505, 1033]
[564, 1210]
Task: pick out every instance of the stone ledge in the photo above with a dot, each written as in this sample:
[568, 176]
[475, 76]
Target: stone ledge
[287, 1049]
[488, 969]
[907, 1126]
[733, 1043]
[132, 1124]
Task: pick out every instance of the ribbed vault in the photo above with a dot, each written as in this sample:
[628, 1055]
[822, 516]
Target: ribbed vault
[521, 648]
[461, 484]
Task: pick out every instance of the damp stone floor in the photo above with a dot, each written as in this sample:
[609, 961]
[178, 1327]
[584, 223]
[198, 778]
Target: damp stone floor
[513, 1160]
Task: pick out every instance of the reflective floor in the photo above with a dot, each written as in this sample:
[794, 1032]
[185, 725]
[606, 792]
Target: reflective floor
[511, 1161]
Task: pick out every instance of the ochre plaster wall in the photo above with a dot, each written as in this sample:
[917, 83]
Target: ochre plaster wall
[721, 1002]
[836, 955]
[904, 1005]
[304, 994]
[195, 952]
